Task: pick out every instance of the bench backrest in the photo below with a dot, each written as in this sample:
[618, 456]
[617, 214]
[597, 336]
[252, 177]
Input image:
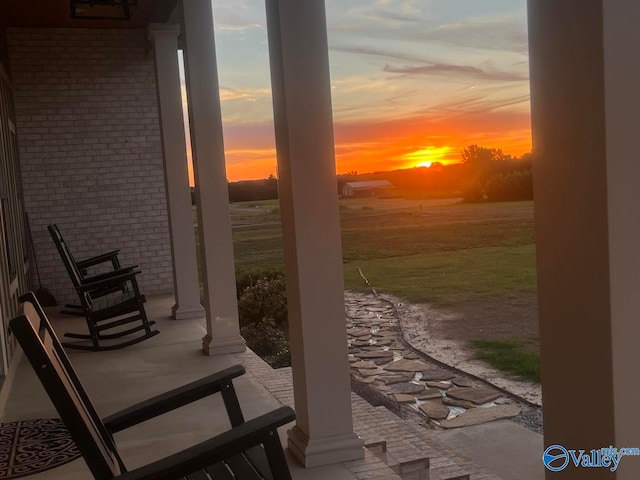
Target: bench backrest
[65, 254]
[69, 263]
[52, 366]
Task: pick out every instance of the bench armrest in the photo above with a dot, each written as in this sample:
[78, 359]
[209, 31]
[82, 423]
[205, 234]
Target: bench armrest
[110, 281]
[108, 275]
[97, 260]
[173, 399]
[261, 430]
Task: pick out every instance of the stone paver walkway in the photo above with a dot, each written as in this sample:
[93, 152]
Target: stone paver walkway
[381, 361]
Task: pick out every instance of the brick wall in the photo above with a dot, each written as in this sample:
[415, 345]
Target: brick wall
[89, 145]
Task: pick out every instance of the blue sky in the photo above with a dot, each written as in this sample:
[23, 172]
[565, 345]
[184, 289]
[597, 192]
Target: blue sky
[408, 76]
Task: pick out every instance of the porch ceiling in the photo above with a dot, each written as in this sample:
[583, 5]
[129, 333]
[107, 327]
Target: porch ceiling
[56, 13]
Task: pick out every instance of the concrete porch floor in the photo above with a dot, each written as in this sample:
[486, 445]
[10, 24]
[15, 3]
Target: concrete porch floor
[120, 378]
[117, 379]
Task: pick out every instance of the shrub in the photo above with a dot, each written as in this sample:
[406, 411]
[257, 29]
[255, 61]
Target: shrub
[266, 298]
[262, 307]
[268, 340]
[250, 278]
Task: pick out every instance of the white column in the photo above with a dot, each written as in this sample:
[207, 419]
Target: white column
[207, 147]
[585, 104]
[311, 233]
[164, 38]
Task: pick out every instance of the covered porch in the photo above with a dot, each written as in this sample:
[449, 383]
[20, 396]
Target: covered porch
[118, 379]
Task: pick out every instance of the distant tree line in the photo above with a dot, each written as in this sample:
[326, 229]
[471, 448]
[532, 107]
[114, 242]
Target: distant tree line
[249, 190]
[484, 174]
[496, 177]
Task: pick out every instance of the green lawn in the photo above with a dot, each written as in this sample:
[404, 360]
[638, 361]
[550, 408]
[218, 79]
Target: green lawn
[511, 356]
[436, 251]
[449, 278]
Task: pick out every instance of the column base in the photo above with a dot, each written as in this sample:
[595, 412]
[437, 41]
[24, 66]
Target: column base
[324, 451]
[224, 345]
[184, 313]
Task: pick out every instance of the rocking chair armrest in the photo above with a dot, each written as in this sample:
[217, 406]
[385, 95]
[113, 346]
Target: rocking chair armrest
[108, 282]
[97, 260]
[229, 443]
[107, 275]
[172, 399]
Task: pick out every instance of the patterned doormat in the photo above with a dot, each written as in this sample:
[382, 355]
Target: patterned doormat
[32, 446]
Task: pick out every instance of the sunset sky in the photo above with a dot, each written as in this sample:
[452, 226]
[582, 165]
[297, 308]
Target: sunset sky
[413, 81]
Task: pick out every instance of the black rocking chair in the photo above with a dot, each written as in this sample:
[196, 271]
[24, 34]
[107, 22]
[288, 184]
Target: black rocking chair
[248, 451]
[102, 308]
[83, 267]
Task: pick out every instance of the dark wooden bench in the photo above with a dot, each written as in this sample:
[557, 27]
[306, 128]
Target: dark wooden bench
[250, 450]
[83, 267]
[108, 302]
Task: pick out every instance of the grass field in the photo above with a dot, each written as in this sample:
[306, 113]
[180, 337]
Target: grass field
[441, 251]
[436, 251]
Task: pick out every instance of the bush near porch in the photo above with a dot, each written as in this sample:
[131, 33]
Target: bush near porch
[262, 308]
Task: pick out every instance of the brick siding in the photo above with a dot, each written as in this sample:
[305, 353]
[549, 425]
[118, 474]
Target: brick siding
[90, 149]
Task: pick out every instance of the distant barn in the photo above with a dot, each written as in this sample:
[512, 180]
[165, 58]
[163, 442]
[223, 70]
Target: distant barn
[366, 189]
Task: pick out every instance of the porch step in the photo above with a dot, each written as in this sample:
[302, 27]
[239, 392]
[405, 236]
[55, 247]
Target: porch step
[417, 469]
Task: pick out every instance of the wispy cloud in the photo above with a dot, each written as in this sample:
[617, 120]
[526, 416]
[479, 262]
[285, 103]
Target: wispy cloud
[467, 71]
[249, 94]
[507, 33]
[378, 52]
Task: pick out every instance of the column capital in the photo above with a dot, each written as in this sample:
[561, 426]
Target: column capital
[163, 29]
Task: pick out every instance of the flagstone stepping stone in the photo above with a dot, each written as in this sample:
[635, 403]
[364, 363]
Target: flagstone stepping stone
[435, 409]
[441, 385]
[385, 334]
[378, 309]
[362, 364]
[360, 343]
[429, 394]
[382, 343]
[476, 416]
[436, 375]
[352, 359]
[382, 361]
[359, 332]
[391, 379]
[406, 388]
[462, 382]
[477, 395]
[407, 366]
[375, 354]
[404, 398]
[368, 380]
[368, 372]
[458, 403]
[411, 356]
